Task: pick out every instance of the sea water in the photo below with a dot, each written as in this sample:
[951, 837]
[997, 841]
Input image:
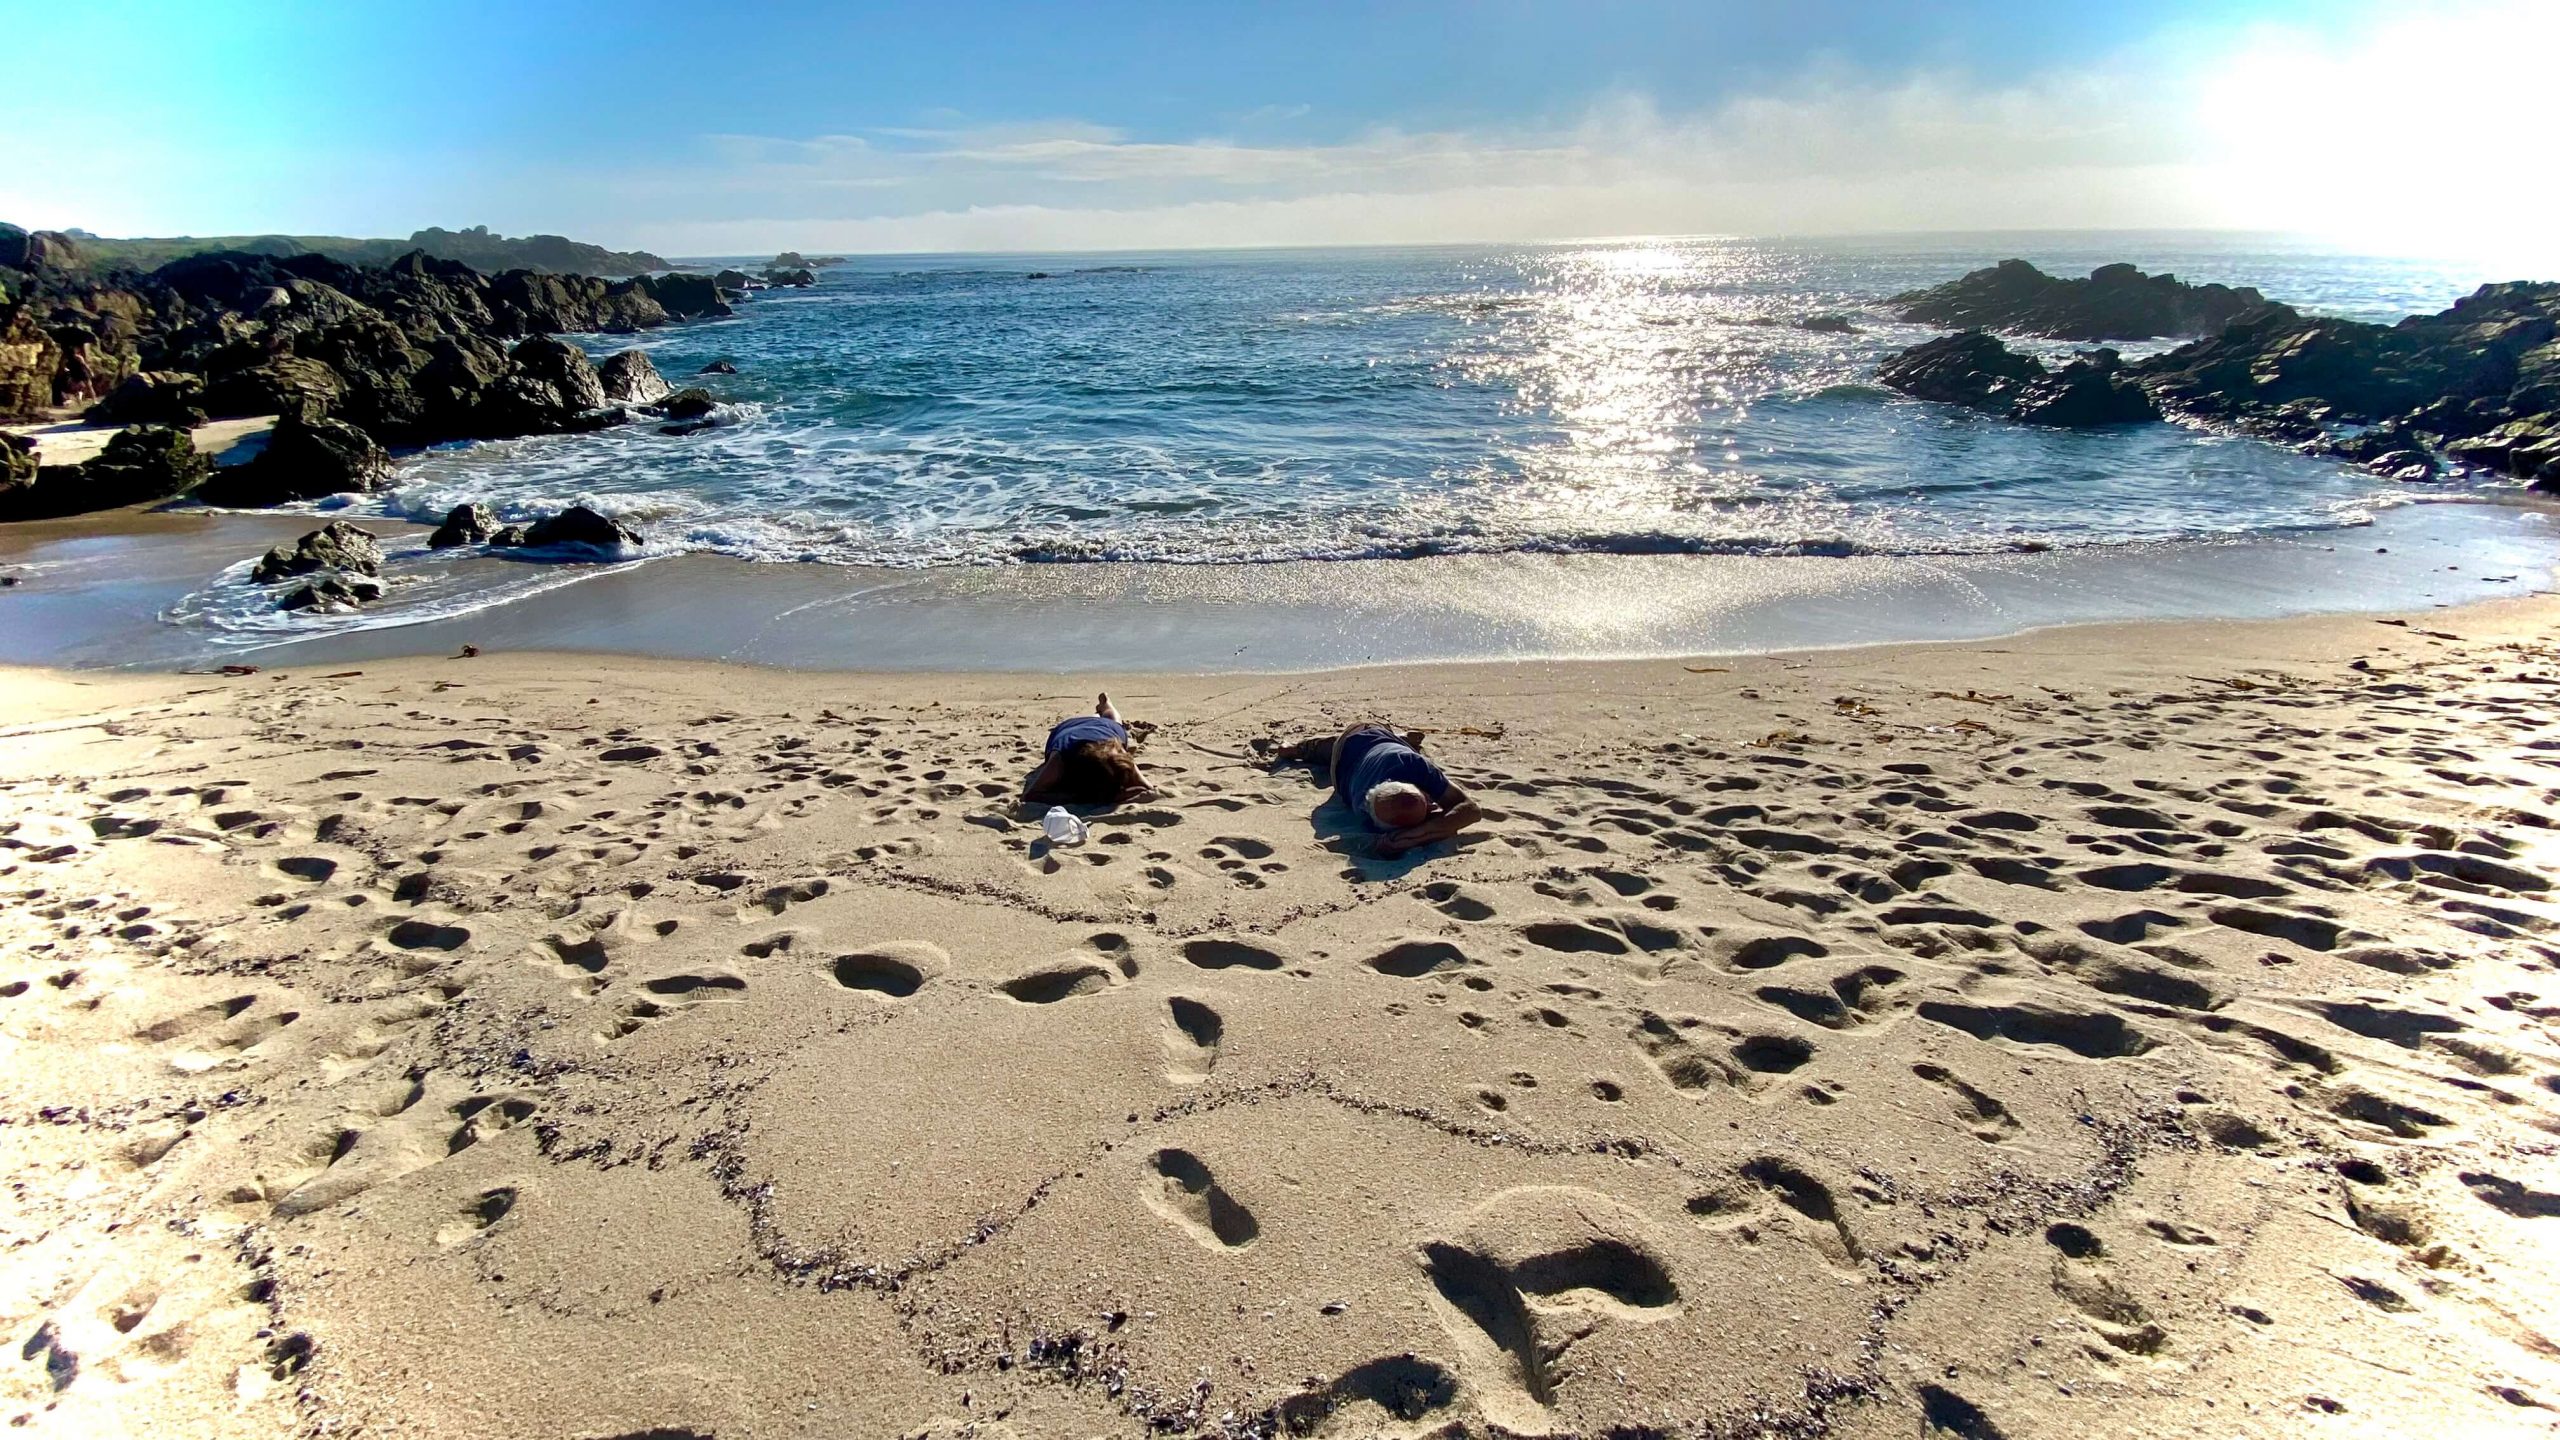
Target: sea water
[1221, 408]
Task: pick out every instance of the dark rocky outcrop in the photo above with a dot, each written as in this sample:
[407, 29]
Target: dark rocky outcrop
[139, 465]
[17, 466]
[1828, 324]
[2116, 302]
[414, 352]
[736, 280]
[153, 397]
[303, 460]
[286, 385]
[467, 524]
[686, 297]
[37, 249]
[549, 385]
[1968, 368]
[336, 546]
[2474, 386]
[2477, 384]
[629, 379]
[718, 367]
[1978, 372]
[796, 278]
[2089, 391]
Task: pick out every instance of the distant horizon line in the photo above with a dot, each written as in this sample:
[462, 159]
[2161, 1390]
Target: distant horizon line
[2291, 236]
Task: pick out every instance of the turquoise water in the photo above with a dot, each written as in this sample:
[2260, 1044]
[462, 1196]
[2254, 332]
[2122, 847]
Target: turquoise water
[1627, 397]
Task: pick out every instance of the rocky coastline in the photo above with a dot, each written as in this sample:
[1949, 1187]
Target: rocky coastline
[353, 360]
[2473, 388]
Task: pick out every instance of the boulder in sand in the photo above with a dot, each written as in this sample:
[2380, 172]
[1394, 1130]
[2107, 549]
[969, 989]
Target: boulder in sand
[141, 464]
[152, 397]
[303, 460]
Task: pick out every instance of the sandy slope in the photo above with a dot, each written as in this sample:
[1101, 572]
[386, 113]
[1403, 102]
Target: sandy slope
[2145, 1031]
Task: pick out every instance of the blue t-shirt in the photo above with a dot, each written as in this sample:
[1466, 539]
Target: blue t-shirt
[1067, 734]
[1372, 756]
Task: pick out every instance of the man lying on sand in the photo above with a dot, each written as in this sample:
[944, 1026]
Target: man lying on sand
[1383, 776]
[1088, 762]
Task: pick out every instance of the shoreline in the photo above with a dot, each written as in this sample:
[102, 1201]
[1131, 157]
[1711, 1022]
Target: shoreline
[2078, 1033]
[95, 592]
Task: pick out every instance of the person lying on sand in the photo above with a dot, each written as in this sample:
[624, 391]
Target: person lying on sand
[1088, 762]
[1384, 777]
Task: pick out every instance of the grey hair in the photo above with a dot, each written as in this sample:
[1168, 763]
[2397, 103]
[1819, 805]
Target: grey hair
[1388, 790]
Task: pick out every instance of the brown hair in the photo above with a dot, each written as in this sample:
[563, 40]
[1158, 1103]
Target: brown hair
[1097, 772]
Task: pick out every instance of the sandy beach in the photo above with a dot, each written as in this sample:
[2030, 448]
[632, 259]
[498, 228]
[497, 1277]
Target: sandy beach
[2129, 1031]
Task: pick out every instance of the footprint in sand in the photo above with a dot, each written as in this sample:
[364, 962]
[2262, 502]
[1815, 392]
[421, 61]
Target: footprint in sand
[1376, 1398]
[1193, 1035]
[1062, 981]
[1987, 1118]
[2083, 1276]
[890, 972]
[1855, 998]
[1218, 954]
[1797, 1189]
[672, 994]
[1412, 959]
[1522, 1277]
[1181, 1189]
[474, 1219]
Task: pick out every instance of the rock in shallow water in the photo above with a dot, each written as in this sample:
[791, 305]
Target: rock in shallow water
[336, 546]
[576, 525]
[468, 524]
[1977, 371]
[2116, 302]
[332, 592]
[691, 403]
[631, 379]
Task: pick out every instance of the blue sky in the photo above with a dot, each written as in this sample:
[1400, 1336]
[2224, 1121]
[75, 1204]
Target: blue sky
[1028, 126]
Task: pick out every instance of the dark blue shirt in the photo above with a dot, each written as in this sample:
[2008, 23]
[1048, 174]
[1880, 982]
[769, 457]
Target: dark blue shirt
[1371, 756]
[1068, 734]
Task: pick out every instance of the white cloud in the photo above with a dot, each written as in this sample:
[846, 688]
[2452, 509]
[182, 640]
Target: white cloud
[2363, 135]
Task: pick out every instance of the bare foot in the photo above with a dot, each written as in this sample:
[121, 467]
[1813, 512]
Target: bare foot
[1102, 706]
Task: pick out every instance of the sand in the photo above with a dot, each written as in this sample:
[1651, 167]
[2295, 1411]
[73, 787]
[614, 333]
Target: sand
[2133, 1031]
[66, 439]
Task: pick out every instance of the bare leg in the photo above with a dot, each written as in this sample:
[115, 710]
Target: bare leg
[1102, 706]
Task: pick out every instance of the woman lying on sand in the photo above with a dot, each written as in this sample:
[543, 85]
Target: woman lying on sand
[1088, 762]
[1383, 776]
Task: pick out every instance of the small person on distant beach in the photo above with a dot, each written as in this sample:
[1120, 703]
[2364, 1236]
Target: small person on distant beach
[1088, 762]
[1384, 777]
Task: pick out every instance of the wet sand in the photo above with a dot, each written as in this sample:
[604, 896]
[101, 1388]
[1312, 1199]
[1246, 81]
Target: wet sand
[94, 590]
[2144, 1030]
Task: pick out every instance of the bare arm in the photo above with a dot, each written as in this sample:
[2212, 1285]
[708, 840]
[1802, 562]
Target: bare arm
[1042, 780]
[1458, 812]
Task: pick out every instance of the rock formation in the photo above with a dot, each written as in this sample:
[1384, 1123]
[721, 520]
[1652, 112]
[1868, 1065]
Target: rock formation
[2116, 302]
[1977, 371]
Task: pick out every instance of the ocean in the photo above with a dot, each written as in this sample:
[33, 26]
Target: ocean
[1652, 397]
